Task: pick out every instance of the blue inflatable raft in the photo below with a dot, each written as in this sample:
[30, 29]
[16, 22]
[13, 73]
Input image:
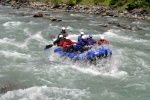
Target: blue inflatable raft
[90, 54]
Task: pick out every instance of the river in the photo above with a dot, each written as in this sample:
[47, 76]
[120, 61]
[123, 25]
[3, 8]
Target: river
[27, 72]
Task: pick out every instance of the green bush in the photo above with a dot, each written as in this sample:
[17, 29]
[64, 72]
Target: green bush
[120, 3]
[113, 2]
[71, 2]
[78, 1]
[98, 1]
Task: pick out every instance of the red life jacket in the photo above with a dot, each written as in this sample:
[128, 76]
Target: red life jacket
[102, 42]
[67, 43]
[61, 41]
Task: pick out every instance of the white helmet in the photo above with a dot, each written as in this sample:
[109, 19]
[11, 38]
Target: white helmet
[60, 36]
[63, 28]
[102, 37]
[82, 33]
[83, 37]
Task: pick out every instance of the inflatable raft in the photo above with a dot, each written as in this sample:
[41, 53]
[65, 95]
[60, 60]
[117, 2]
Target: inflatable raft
[94, 52]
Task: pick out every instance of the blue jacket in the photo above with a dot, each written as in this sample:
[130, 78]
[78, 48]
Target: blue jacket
[81, 44]
[91, 41]
[79, 38]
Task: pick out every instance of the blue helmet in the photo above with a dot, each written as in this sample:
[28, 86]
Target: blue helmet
[90, 35]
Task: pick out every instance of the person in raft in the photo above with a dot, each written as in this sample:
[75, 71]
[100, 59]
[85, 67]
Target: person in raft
[68, 45]
[80, 37]
[59, 41]
[102, 41]
[90, 40]
[63, 33]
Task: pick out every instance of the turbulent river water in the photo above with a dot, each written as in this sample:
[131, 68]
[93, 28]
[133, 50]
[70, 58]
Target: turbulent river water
[29, 73]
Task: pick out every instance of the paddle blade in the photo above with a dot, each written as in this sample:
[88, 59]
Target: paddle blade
[48, 46]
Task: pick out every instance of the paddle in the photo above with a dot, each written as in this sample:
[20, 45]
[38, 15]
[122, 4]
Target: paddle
[48, 46]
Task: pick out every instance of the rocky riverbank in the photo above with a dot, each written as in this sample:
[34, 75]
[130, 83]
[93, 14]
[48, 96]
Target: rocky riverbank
[96, 9]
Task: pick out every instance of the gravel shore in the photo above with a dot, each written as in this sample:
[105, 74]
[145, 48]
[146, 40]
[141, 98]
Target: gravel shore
[88, 9]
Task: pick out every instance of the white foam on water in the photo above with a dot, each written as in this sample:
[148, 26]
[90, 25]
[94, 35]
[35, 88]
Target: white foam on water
[108, 93]
[12, 23]
[32, 23]
[140, 40]
[139, 22]
[147, 34]
[142, 64]
[15, 54]
[116, 34]
[46, 93]
[146, 28]
[111, 19]
[138, 86]
[95, 71]
[76, 15]
[37, 36]
[112, 33]
[4, 17]
[12, 42]
[26, 31]
[107, 67]
[69, 28]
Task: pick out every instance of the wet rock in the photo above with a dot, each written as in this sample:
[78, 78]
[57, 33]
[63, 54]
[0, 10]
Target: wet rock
[56, 6]
[56, 20]
[53, 19]
[9, 87]
[130, 27]
[47, 14]
[38, 14]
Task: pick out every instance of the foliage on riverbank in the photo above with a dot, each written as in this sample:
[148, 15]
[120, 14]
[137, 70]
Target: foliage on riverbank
[124, 4]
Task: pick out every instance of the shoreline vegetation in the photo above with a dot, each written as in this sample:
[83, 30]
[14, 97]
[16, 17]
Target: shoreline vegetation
[137, 9]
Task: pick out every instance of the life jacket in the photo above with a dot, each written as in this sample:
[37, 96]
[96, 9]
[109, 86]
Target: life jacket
[61, 41]
[83, 43]
[79, 38]
[68, 43]
[91, 41]
[99, 42]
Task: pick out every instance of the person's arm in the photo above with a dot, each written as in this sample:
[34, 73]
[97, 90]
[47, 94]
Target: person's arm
[99, 42]
[56, 41]
[107, 42]
[71, 42]
[79, 38]
[87, 42]
[64, 44]
[94, 41]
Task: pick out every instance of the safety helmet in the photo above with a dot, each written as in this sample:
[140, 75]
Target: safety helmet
[102, 37]
[60, 36]
[63, 28]
[83, 37]
[82, 33]
[90, 35]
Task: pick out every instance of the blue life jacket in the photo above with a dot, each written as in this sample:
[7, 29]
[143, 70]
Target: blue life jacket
[79, 38]
[90, 41]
